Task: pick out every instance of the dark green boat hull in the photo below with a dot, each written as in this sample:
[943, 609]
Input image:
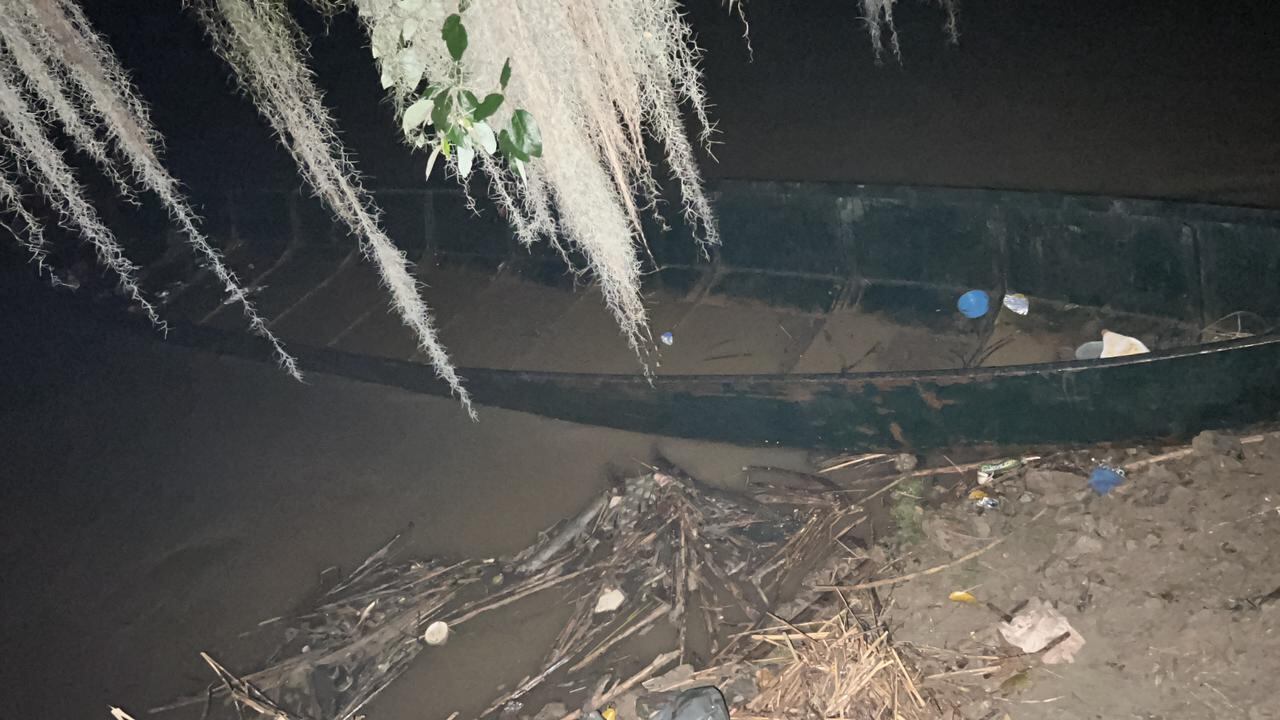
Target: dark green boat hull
[910, 251]
[1155, 396]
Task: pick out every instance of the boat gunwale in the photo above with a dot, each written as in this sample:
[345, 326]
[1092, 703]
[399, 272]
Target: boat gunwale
[978, 373]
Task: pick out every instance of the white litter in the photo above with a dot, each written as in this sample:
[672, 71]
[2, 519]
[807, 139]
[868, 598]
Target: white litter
[1117, 345]
[610, 599]
[437, 633]
[1038, 625]
[1017, 302]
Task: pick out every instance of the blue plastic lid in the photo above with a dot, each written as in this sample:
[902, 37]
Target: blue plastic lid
[973, 304]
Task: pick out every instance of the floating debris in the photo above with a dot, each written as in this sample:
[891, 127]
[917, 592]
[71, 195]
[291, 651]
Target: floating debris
[610, 599]
[1017, 302]
[974, 304]
[437, 633]
[988, 472]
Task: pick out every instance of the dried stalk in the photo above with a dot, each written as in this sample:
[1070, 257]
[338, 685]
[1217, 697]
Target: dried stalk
[621, 688]
[884, 582]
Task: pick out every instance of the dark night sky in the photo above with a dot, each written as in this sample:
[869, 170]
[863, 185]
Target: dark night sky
[1140, 98]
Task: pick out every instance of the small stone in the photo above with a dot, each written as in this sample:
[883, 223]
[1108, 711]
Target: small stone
[1227, 464]
[1181, 495]
[1026, 497]
[552, 711]
[1107, 527]
[674, 679]
[1086, 545]
[981, 527]
[905, 462]
[1087, 524]
[1130, 545]
[1046, 482]
[1152, 540]
[1206, 443]
[1213, 443]
[1153, 604]
[1054, 499]
[1158, 494]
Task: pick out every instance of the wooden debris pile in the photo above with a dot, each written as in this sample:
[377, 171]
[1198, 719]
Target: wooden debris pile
[658, 550]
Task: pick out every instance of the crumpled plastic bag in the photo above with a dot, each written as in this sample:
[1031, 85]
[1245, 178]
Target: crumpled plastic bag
[700, 703]
[1039, 624]
[1117, 345]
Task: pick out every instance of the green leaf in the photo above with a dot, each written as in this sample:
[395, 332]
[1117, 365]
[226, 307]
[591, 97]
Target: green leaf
[463, 5]
[509, 147]
[526, 134]
[506, 74]
[457, 136]
[489, 106]
[416, 114]
[467, 101]
[455, 36]
[519, 166]
[466, 155]
[441, 109]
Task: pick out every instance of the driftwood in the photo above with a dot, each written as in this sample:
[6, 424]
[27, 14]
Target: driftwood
[564, 537]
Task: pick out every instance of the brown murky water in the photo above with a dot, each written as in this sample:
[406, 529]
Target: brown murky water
[158, 503]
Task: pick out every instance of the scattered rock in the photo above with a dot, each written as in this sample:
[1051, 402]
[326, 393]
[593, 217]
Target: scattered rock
[981, 527]
[905, 462]
[1086, 545]
[1269, 447]
[949, 535]
[1056, 569]
[1047, 482]
[552, 711]
[625, 705]
[1213, 443]
[1107, 527]
[1056, 499]
[675, 679]
[1181, 496]
[878, 555]
[1152, 540]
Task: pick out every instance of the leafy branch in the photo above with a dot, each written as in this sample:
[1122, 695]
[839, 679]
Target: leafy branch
[453, 119]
